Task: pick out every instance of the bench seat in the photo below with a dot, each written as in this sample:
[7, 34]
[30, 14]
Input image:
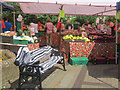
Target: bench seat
[49, 63]
[36, 62]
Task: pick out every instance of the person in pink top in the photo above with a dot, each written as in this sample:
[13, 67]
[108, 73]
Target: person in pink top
[49, 29]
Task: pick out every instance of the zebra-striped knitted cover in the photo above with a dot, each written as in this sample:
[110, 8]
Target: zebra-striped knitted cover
[26, 57]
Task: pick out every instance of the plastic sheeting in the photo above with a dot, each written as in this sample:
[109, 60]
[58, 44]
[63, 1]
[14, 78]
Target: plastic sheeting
[85, 2]
[7, 7]
[70, 9]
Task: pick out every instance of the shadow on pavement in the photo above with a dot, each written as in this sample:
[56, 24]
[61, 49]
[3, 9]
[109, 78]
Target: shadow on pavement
[44, 76]
[103, 71]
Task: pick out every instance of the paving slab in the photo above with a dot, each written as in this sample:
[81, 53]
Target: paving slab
[85, 76]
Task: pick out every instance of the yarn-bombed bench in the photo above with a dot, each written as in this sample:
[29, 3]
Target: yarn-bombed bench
[36, 62]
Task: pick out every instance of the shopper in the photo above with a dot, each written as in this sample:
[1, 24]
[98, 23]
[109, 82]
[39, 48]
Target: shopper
[107, 28]
[112, 26]
[49, 30]
[34, 25]
[40, 25]
[69, 25]
[8, 25]
[93, 26]
[85, 24]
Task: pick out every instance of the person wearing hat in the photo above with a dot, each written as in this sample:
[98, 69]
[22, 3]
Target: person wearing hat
[18, 23]
[69, 25]
[112, 26]
[83, 32]
[8, 25]
[49, 27]
[85, 24]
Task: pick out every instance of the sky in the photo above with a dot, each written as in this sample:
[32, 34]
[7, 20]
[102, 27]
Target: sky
[85, 2]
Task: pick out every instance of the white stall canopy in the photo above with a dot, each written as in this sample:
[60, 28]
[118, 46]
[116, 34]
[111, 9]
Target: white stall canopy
[73, 7]
[70, 9]
[85, 2]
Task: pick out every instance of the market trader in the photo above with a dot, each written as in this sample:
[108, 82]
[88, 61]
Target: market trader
[8, 25]
[86, 24]
[112, 26]
[69, 25]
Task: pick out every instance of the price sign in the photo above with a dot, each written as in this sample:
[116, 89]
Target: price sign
[61, 13]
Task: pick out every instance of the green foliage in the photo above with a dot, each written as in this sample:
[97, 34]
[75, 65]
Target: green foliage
[43, 18]
[9, 14]
[83, 19]
[79, 19]
[112, 18]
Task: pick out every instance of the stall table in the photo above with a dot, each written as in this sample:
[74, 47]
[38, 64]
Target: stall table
[14, 47]
[82, 49]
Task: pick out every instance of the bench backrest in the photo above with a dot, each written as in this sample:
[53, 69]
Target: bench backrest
[25, 56]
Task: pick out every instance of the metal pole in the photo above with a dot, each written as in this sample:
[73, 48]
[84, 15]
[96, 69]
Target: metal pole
[60, 31]
[1, 18]
[1, 45]
[116, 36]
[14, 20]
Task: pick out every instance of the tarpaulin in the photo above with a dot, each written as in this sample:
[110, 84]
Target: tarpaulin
[70, 9]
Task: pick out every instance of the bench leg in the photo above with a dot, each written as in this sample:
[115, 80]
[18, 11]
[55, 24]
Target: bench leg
[19, 82]
[64, 65]
[40, 88]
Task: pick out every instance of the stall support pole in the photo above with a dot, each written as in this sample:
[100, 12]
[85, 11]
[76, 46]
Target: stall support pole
[60, 38]
[1, 18]
[14, 21]
[116, 37]
[60, 31]
[0, 45]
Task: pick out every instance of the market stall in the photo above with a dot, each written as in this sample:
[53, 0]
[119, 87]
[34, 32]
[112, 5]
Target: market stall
[13, 39]
[90, 44]
[73, 35]
[77, 9]
[18, 39]
[9, 71]
[6, 7]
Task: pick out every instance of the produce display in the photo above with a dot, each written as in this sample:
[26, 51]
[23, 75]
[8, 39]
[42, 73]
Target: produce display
[27, 33]
[24, 28]
[18, 37]
[19, 33]
[8, 33]
[7, 37]
[30, 39]
[71, 37]
[23, 33]
[72, 32]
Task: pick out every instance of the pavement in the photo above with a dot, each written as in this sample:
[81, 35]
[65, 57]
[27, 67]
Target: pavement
[0, 74]
[91, 76]
[85, 76]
